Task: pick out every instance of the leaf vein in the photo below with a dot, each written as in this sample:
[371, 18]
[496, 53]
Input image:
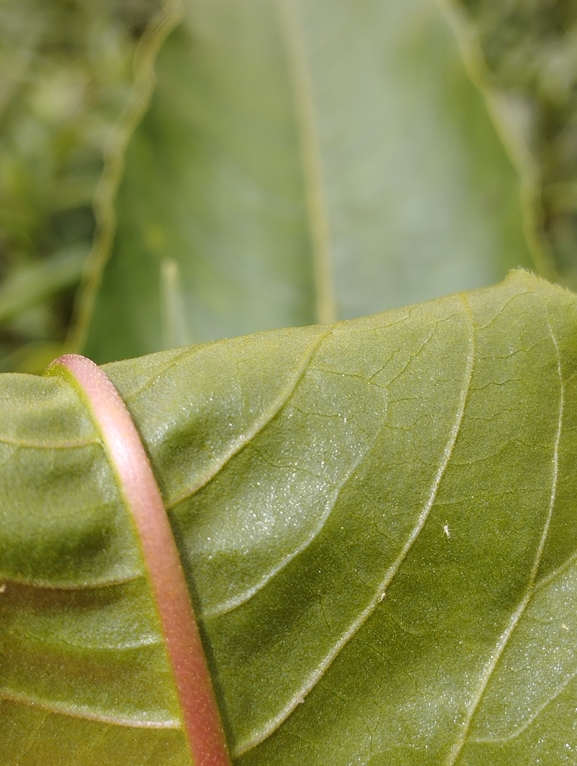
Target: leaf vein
[30, 444]
[525, 725]
[318, 673]
[237, 445]
[83, 586]
[87, 715]
[310, 158]
[237, 601]
[489, 670]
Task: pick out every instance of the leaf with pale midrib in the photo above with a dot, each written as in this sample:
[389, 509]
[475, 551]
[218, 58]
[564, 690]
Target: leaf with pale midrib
[304, 162]
[376, 520]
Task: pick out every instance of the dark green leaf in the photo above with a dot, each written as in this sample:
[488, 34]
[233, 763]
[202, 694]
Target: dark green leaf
[36, 282]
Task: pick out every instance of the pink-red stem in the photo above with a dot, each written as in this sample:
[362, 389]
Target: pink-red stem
[199, 709]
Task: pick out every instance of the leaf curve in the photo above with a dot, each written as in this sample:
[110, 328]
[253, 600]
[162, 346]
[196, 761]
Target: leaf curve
[384, 566]
[75, 603]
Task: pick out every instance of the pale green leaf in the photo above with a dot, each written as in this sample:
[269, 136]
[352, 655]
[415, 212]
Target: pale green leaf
[302, 162]
[376, 519]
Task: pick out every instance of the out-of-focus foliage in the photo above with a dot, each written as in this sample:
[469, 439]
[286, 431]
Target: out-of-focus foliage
[530, 52]
[303, 161]
[65, 77]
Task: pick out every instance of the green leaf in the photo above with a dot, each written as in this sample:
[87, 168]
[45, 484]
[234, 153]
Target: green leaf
[376, 520]
[301, 162]
[84, 670]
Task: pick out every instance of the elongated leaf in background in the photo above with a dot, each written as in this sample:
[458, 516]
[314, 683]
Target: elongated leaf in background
[304, 161]
[377, 522]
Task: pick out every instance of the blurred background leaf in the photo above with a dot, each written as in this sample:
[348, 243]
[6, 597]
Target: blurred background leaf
[300, 161]
[303, 162]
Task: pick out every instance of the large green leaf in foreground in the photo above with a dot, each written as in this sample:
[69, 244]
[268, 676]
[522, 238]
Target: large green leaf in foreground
[304, 162]
[378, 524]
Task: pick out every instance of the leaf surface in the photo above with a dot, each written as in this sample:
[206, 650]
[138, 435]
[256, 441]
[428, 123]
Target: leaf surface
[376, 520]
[84, 669]
[303, 162]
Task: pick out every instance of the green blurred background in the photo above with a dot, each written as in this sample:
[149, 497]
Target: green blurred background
[173, 173]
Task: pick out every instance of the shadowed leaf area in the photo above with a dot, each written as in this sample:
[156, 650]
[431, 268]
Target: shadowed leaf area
[65, 79]
[376, 520]
[530, 50]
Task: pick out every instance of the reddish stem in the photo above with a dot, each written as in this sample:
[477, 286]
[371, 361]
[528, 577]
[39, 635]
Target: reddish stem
[199, 709]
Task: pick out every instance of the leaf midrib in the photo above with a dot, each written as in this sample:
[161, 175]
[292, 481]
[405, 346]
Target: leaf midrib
[310, 157]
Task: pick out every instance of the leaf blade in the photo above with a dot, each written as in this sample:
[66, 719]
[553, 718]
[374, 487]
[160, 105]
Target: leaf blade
[330, 462]
[284, 622]
[303, 163]
[80, 647]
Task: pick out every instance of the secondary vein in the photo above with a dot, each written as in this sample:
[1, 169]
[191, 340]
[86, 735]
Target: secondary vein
[241, 442]
[516, 617]
[31, 444]
[85, 714]
[355, 626]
